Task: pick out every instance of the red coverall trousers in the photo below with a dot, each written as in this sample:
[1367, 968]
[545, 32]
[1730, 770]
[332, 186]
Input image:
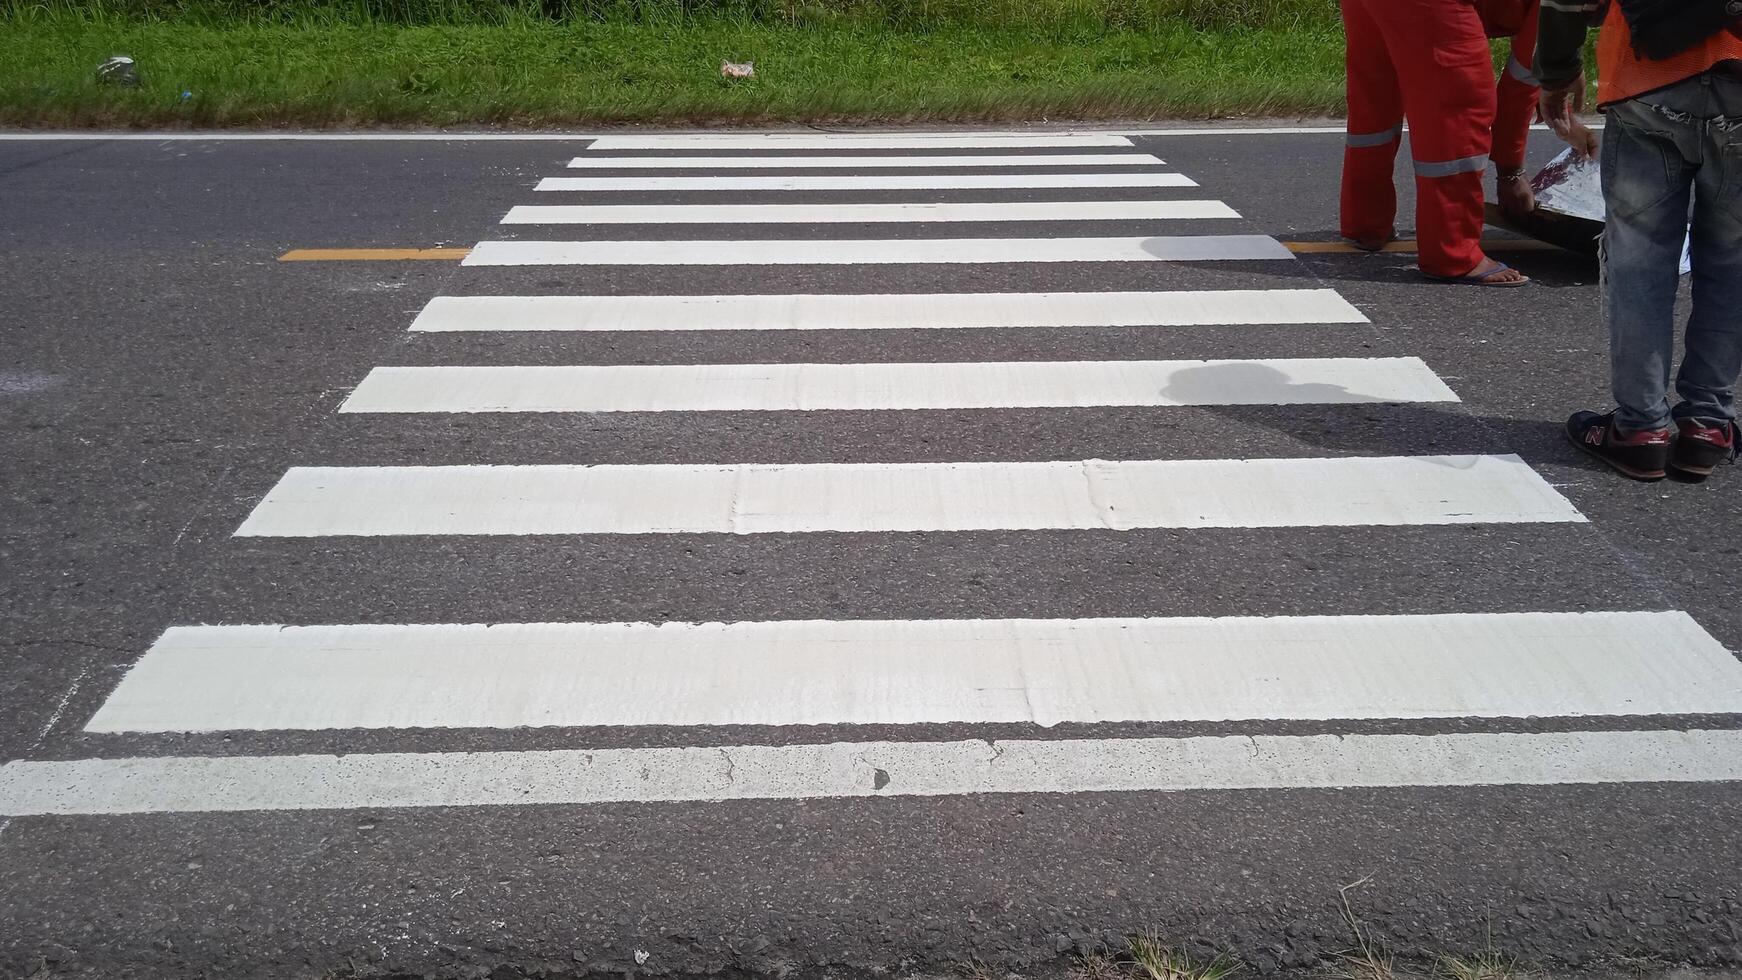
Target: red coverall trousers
[1427, 60]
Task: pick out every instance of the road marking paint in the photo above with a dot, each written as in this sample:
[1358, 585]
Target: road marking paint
[767, 498]
[372, 254]
[456, 254]
[892, 140]
[861, 769]
[1008, 140]
[824, 311]
[863, 182]
[865, 672]
[881, 386]
[869, 162]
[1410, 246]
[645, 214]
[1594, 122]
[1160, 248]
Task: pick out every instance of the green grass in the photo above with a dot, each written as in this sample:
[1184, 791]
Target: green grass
[458, 62]
[1144, 14]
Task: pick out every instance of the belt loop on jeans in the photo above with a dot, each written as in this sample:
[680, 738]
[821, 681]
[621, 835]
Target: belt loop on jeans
[1449, 168]
[1360, 140]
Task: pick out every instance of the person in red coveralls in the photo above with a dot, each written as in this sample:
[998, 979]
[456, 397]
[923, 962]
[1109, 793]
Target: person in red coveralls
[1429, 61]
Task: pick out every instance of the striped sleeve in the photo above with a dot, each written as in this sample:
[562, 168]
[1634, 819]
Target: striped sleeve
[1516, 98]
[1561, 39]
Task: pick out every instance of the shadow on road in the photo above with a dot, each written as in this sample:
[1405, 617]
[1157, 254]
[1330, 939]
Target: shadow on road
[1408, 427]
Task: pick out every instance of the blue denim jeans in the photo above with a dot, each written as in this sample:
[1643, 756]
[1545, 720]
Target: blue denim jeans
[1659, 150]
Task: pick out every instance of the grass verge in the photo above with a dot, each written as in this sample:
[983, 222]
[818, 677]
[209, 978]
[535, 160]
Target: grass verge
[347, 71]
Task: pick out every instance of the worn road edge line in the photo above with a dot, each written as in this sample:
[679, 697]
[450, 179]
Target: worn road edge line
[863, 769]
[373, 254]
[18, 136]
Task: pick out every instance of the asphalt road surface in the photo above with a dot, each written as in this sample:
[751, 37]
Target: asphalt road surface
[822, 554]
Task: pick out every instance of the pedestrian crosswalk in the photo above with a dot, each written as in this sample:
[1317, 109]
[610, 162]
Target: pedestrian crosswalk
[806, 498]
[761, 214]
[929, 161]
[782, 142]
[717, 690]
[882, 311]
[221, 678]
[881, 251]
[863, 182]
[869, 387]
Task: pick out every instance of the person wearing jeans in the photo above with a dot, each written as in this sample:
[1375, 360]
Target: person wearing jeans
[1671, 148]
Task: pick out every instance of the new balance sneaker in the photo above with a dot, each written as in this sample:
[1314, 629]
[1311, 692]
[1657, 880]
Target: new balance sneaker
[1640, 455]
[1700, 448]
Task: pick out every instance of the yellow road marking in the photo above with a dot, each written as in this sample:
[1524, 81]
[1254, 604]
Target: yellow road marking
[1409, 245]
[373, 254]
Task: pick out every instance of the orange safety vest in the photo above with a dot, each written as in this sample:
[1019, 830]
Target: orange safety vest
[1623, 74]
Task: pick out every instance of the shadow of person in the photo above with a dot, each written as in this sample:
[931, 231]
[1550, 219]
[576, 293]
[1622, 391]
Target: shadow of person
[1341, 421]
[1547, 267]
[1247, 383]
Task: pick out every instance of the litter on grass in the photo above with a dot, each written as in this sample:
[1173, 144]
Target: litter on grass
[119, 70]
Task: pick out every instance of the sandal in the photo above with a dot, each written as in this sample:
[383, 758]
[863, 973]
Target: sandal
[1484, 279]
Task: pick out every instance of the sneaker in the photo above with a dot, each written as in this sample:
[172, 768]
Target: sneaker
[1640, 455]
[1700, 448]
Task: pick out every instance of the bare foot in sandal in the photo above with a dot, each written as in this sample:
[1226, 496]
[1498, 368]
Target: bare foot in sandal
[1492, 273]
[1487, 273]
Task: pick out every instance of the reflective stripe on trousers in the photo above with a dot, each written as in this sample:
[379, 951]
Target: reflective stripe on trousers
[1449, 168]
[1381, 138]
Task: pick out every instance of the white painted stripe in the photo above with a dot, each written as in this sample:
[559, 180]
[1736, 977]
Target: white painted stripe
[327, 136]
[765, 498]
[861, 672]
[853, 141]
[1160, 248]
[868, 162]
[868, 386]
[864, 182]
[861, 769]
[740, 214]
[286, 136]
[1243, 131]
[828, 311]
[1592, 122]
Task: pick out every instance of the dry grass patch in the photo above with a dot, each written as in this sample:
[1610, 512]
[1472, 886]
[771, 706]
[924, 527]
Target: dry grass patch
[1486, 965]
[1367, 961]
[1147, 957]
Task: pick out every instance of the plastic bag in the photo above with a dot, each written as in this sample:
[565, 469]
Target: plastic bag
[119, 70]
